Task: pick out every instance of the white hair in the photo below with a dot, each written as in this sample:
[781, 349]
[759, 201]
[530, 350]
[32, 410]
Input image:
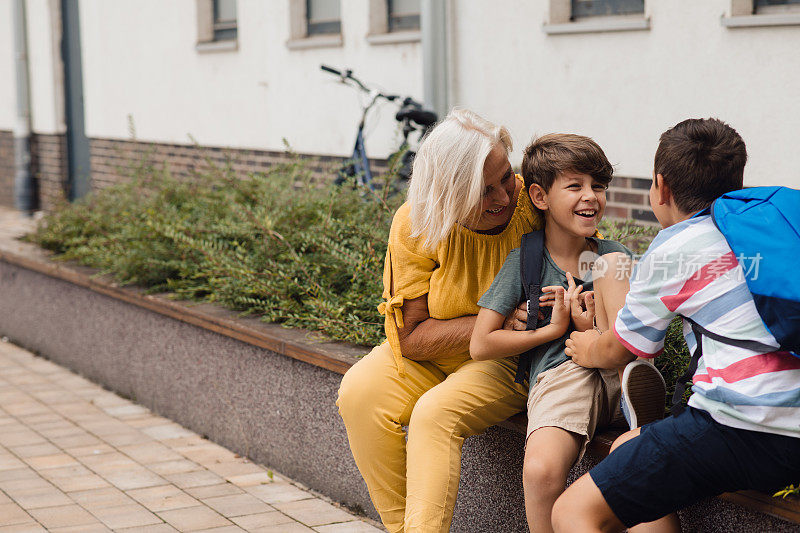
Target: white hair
[447, 178]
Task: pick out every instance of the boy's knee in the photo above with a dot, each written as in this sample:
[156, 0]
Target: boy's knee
[539, 477]
[622, 439]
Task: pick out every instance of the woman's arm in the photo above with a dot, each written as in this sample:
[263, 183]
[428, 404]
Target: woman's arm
[423, 338]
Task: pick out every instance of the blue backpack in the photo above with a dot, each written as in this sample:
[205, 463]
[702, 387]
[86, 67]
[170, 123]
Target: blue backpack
[762, 227]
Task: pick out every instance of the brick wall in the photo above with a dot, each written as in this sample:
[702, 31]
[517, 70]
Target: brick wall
[6, 168]
[49, 166]
[110, 158]
[629, 198]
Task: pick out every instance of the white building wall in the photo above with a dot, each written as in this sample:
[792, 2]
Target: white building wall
[139, 59]
[8, 77]
[45, 69]
[625, 88]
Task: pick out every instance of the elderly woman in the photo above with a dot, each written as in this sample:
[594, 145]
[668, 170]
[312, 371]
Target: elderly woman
[465, 211]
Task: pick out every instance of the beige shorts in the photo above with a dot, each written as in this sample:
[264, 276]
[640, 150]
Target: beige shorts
[575, 399]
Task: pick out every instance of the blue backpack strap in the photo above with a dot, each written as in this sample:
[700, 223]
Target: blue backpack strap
[531, 260]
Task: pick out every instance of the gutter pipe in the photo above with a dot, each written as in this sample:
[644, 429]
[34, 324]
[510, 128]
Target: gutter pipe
[435, 67]
[24, 199]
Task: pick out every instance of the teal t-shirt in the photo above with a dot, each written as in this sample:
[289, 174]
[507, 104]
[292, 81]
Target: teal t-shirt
[507, 292]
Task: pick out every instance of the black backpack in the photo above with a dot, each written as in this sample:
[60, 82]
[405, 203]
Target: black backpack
[530, 264]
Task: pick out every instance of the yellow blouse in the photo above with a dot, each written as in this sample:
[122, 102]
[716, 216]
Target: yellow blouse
[454, 275]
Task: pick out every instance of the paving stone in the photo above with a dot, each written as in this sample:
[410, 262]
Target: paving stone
[255, 521]
[150, 452]
[131, 515]
[157, 528]
[313, 512]
[208, 454]
[174, 467]
[237, 505]
[11, 514]
[199, 478]
[92, 449]
[35, 450]
[98, 498]
[292, 527]
[278, 493]
[211, 491]
[193, 518]
[167, 431]
[30, 527]
[256, 478]
[348, 527]
[44, 462]
[234, 468]
[44, 497]
[85, 528]
[163, 498]
[9, 462]
[20, 438]
[223, 529]
[86, 482]
[62, 516]
[134, 478]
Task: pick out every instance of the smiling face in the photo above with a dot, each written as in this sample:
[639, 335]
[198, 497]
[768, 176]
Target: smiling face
[575, 203]
[499, 187]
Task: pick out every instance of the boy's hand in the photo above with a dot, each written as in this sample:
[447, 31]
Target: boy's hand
[556, 297]
[581, 306]
[578, 346]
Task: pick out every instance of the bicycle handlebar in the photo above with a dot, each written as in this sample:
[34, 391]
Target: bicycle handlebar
[348, 75]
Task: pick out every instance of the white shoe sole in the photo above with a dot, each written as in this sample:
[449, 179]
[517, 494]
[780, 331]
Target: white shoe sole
[644, 392]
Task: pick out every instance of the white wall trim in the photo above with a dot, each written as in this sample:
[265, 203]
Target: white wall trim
[759, 21]
[395, 37]
[600, 25]
[217, 46]
[317, 41]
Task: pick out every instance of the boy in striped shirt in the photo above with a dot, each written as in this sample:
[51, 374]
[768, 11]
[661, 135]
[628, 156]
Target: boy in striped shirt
[741, 429]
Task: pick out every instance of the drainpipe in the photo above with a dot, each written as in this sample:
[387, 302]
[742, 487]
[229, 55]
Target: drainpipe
[23, 180]
[435, 67]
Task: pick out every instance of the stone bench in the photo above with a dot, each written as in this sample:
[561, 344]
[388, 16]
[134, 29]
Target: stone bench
[268, 392]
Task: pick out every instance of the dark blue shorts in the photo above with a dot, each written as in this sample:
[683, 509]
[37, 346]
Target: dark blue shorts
[680, 460]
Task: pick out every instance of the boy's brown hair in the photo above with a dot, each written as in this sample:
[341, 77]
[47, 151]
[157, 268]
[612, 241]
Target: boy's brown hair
[700, 160]
[546, 157]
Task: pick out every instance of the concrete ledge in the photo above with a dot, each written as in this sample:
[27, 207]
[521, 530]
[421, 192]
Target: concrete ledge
[598, 25]
[762, 21]
[268, 392]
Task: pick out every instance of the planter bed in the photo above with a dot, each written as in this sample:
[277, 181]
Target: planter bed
[268, 392]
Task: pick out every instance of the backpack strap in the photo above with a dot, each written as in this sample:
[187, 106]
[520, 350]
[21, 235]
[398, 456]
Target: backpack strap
[531, 260]
[699, 331]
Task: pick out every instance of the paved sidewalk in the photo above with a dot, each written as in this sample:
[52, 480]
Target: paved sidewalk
[75, 457]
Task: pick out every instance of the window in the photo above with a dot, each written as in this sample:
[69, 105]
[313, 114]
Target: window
[605, 8]
[775, 6]
[322, 17]
[595, 16]
[762, 13]
[224, 22]
[403, 15]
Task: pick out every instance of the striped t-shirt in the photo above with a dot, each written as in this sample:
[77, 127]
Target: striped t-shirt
[690, 271]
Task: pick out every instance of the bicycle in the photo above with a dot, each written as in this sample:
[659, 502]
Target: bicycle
[411, 115]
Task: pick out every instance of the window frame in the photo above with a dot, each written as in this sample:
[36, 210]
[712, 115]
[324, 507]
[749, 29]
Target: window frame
[378, 26]
[743, 14]
[561, 21]
[208, 40]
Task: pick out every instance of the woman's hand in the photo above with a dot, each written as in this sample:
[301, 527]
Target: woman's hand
[581, 305]
[518, 319]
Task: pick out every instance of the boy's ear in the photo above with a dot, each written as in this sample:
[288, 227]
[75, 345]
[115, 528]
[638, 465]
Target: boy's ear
[538, 197]
[663, 190]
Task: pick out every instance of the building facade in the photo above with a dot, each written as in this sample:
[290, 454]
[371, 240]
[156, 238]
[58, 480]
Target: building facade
[239, 79]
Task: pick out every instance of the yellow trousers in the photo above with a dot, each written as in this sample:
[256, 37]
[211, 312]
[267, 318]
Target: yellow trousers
[414, 484]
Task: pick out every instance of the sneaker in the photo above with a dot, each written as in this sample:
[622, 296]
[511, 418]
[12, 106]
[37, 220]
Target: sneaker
[643, 393]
